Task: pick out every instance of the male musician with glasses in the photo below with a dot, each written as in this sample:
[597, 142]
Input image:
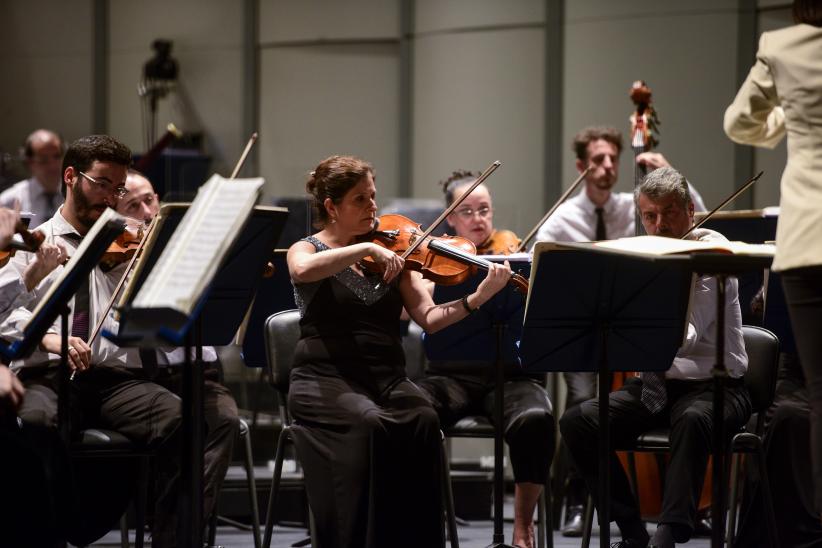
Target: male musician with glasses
[40, 193]
[110, 389]
[680, 398]
[595, 213]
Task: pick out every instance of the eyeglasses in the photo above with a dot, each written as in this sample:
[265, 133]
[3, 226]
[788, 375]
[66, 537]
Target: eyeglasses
[106, 187]
[468, 213]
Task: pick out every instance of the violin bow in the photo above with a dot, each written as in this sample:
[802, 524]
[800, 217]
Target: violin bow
[559, 202]
[728, 200]
[244, 155]
[485, 174]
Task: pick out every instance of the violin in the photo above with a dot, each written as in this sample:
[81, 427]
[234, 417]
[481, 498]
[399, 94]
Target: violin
[31, 241]
[445, 260]
[501, 242]
[123, 248]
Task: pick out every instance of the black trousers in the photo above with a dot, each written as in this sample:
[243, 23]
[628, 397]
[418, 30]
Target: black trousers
[371, 460]
[688, 414]
[528, 421]
[803, 294]
[119, 399]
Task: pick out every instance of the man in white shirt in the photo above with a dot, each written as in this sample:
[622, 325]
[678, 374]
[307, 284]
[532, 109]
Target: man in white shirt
[682, 400]
[39, 194]
[595, 213]
[110, 389]
[219, 408]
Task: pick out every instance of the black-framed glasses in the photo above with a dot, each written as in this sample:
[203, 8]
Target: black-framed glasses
[105, 186]
[467, 212]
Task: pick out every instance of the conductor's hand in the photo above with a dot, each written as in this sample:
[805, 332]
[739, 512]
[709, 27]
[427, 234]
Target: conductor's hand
[389, 262]
[79, 353]
[11, 390]
[497, 277]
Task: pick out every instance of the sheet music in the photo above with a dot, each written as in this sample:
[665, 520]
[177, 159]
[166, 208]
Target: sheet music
[109, 215]
[658, 245]
[196, 249]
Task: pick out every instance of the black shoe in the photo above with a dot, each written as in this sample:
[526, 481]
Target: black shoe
[573, 522]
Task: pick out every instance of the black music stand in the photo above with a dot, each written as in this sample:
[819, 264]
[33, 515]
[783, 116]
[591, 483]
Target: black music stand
[78, 269]
[722, 266]
[493, 330]
[591, 309]
[214, 321]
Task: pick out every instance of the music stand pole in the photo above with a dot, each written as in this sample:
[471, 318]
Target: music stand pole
[719, 374]
[604, 449]
[499, 417]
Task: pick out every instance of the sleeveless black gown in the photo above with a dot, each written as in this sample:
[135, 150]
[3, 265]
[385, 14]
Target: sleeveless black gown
[367, 437]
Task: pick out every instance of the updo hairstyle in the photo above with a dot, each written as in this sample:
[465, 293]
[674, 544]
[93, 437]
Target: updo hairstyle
[333, 178]
[457, 180]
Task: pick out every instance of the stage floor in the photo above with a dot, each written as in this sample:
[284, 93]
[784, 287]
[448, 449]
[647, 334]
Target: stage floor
[477, 534]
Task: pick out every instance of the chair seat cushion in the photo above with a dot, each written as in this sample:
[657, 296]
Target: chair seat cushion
[471, 426]
[658, 439]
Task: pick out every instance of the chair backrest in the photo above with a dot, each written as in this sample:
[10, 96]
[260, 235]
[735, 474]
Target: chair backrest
[762, 348]
[282, 331]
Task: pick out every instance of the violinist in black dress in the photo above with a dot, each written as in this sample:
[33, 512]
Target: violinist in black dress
[367, 437]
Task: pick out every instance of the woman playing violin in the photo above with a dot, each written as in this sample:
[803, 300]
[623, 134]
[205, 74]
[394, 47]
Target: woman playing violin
[456, 390]
[474, 218]
[367, 437]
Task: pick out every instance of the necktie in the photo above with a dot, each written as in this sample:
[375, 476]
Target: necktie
[600, 234]
[79, 325]
[51, 204]
[654, 396]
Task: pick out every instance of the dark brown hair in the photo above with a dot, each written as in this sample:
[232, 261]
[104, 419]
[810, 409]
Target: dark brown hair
[95, 148]
[332, 179]
[457, 180]
[808, 11]
[595, 133]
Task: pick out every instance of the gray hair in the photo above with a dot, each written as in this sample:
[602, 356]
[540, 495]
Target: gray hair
[663, 182]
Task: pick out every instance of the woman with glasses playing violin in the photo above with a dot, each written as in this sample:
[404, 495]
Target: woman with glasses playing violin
[460, 390]
[474, 218]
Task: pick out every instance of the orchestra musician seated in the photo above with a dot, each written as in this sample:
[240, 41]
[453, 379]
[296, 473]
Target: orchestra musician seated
[367, 437]
[219, 408]
[681, 398]
[597, 212]
[110, 389]
[460, 391]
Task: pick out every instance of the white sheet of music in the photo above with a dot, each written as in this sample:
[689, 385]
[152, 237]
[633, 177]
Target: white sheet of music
[194, 253]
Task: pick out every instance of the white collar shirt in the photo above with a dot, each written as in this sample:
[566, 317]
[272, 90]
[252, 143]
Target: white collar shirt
[31, 196]
[576, 219]
[696, 358]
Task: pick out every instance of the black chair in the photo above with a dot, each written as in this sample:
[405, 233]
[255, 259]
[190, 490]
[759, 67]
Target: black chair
[762, 348]
[282, 331]
[97, 443]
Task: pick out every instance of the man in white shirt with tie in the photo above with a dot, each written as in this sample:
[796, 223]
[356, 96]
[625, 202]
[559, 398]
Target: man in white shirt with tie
[681, 400]
[40, 193]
